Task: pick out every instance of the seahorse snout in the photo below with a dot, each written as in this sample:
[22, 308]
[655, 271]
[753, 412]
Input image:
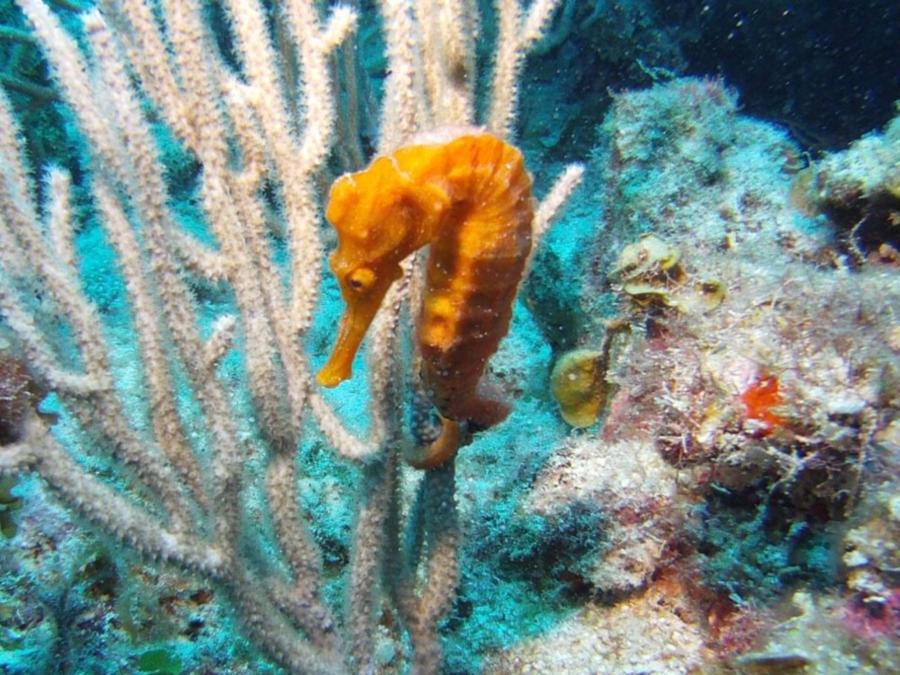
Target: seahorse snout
[363, 291]
[354, 324]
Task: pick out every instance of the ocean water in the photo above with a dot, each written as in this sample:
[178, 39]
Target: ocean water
[626, 280]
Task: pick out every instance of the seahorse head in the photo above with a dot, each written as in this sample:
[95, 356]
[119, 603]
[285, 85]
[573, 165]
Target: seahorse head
[381, 214]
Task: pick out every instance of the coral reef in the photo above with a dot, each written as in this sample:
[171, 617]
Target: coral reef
[752, 422]
[636, 493]
[751, 391]
[859, 190]
[71, 602]
[653, 631]
[872, 552]
[812, 635]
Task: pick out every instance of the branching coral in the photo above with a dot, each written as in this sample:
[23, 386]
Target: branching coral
[181, 414]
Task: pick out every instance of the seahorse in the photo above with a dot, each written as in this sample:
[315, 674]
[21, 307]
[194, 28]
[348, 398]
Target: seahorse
[469, 199]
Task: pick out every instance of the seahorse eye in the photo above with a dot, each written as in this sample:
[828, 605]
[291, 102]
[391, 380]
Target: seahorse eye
[361, 279]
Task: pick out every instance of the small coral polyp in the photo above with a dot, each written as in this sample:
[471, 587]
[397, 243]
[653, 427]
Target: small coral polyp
[761, 400]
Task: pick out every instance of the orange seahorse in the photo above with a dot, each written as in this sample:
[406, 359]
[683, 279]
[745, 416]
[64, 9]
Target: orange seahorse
[469, 198]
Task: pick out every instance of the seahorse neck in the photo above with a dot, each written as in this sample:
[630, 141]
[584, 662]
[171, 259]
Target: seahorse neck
[430, 168]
